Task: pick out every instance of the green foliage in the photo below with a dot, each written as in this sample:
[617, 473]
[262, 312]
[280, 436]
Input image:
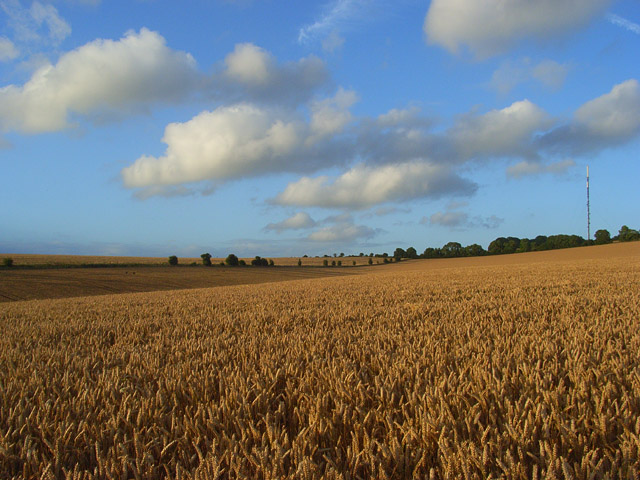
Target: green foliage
[7, 262]
[399, 253]
[627, 234]
[370, 261]
[412, 253]
[260, 262]
[333, 263]
[474, 250]
[271, 262]
[602, 236]
[242, 263]
[325, 263]
[173, 260]
[232, 260]
[206, 259]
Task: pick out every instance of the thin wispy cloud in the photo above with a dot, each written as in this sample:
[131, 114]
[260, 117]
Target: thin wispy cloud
[623, 22]
[337, 16]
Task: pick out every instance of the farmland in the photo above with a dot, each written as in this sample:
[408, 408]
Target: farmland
[522, 366]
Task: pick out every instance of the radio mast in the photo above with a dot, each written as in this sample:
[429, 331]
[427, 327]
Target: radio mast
[588, 208]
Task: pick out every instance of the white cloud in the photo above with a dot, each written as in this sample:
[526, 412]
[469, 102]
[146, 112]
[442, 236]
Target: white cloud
[607, 121]
[525, 168]
[332, 114]
[8, 50]
[615, 114]
[491, 26]
[101, 77]
[227, 143]
[505, 132]
[364, 186]
[250, 64]
[342, 233]
[252, 73]
[339, 12]
[28, 23]
[298, 221]
[624, 23]
[512, 73]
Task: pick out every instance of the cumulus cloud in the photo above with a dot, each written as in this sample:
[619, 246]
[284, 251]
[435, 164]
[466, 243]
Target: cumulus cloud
[492, 26]
[40, 23]
[298, 221]
[331, 115]
[251, 73]
[341, 229]
[101, 77]
[229, 142]
[8, 50]
[526, 168]
[499, 133]
[233, 142]
[609, 120]
[510, 74]
[364, 186]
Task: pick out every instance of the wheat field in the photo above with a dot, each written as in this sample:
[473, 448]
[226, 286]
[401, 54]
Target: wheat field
[521, 370]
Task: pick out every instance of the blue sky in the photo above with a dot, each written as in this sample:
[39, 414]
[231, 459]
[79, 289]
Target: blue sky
[283, 128]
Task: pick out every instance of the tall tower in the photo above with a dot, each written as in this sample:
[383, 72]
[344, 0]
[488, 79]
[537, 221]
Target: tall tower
[588, 208]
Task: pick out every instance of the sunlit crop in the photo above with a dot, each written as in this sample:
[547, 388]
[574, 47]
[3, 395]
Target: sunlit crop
[516, 371]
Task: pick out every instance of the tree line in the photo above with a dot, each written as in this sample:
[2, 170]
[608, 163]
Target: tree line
[505, 245]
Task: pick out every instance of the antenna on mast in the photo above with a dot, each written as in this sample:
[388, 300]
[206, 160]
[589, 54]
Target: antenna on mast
[588, 208]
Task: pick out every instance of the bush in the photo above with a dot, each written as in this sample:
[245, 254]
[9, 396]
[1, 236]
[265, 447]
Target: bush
[325, 263]
[339, 263]
[354, 263]
[333, 263]
[260, 262]
[232, 260]
[299, 262]
[173, 260]
[206, 259]
[7, 262]
[370, 261]
[602, 237]
[271, 262]
[242, 263]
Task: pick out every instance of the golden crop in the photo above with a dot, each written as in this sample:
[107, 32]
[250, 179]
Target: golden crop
[516, 371]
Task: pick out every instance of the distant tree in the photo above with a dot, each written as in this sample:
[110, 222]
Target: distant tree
[361, 254]
[231, 260]
[341, 254]
[354, 263]
[371, 254]
[539, 243]
[241, 263]
[431, 252]
[474, 250]
[412, 253]
[386, 260]
[335, 255]
[7, 262]
[299, 262]
[305, 256]
[333, 263]
[271, 262]
[260, 262]
[370, 261]
[452, 249]
[399, 253]
[385, 255]
[206, 259]
[339, 263]
[173, 260]
[627, 234]
[525, 246]
[325, 263]
[602, 236]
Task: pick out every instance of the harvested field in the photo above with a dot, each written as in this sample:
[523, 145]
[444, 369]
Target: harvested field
[522, 370]
[16, 284]
[31, 260]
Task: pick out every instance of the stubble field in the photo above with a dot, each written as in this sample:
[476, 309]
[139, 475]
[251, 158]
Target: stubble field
[528, 367]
